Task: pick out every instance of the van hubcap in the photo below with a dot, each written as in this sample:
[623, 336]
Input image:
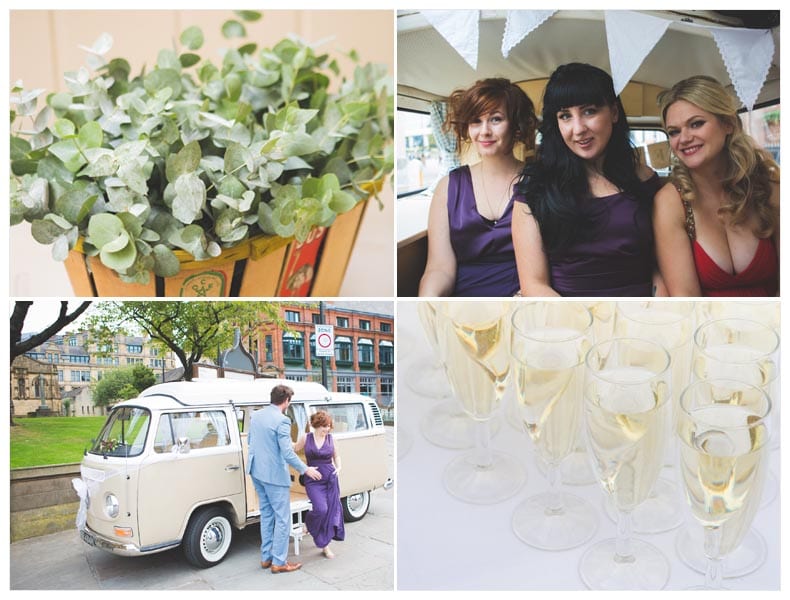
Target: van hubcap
[213, 537]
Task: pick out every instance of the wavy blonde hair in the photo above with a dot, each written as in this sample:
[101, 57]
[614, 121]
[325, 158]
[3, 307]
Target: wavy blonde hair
[750, 170]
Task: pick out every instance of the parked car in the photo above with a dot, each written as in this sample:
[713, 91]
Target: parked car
[168, 467]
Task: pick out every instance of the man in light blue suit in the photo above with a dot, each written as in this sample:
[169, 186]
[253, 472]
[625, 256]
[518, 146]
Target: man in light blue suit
[269, 441]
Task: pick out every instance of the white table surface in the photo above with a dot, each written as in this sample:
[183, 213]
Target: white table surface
[446, 544]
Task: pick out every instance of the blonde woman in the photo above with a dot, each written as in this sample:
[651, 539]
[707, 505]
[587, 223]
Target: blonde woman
[716, 222]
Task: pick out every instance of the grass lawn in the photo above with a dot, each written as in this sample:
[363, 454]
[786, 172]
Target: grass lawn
[38, 441]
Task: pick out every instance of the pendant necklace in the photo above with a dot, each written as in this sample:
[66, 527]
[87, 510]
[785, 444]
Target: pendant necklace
[504, 197]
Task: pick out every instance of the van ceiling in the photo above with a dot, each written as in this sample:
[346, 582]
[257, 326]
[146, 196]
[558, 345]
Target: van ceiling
[428, 67]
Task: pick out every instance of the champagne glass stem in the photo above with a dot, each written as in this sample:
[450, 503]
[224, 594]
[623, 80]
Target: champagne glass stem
[555, 506]
[623, 551]
[484, 457]
[714, 571]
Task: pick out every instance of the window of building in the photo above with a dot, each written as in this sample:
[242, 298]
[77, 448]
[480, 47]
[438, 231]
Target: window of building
[39, 387]
[365, 351]
[292, 316]
[367, 386]
[385, 327]
[387, 386]
[345, 383]
[134, 348]
[364, 324]
[60, 376]
[21, 388]
[268, 344]
[296, 377]
[316, 318]
[72, 341]
[386, 353]
[343, 350]
[293, 346]
[342, 321]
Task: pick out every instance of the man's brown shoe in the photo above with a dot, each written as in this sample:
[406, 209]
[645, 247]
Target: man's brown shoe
[286, 568]
[265, 564]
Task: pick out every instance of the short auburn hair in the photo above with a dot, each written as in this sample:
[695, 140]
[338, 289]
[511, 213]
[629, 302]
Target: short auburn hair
[321, 419]
[485, 96]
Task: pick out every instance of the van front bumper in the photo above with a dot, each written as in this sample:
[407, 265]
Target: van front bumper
[96, 540]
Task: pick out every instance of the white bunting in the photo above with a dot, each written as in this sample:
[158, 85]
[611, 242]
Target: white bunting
[519, 24]
[630, 36]
[461, 29]
[747, 54]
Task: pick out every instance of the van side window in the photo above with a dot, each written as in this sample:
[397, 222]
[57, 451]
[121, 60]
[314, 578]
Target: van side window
[203, 429]
[346, 417]
[298, 417]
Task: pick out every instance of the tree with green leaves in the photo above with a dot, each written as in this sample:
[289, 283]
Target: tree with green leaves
[191, 330]
[122, 384]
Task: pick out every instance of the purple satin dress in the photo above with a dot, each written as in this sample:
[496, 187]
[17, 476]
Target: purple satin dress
[325, 520]
[617, 258]
[486, 263]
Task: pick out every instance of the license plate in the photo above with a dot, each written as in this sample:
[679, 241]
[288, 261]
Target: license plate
[88, 538]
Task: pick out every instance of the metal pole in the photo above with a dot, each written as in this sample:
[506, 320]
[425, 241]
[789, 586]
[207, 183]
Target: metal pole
[323, 358]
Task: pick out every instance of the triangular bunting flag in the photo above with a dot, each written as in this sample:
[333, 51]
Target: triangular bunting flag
[630, 36]
[519, 24]
[461, 29]
[747, 54]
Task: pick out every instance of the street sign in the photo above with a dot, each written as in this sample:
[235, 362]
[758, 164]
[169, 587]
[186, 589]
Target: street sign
[324, 340]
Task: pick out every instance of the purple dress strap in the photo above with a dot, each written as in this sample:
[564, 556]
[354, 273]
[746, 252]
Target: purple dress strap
[486, 263]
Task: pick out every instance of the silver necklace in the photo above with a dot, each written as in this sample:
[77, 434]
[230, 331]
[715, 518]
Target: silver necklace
[501, 201]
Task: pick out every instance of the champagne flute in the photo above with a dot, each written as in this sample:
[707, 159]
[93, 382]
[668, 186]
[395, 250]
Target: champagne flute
[547, 346]
[445, 424]
[472, 338]
[745, 350]
[627, 402]
[671, 324]
[723, 428]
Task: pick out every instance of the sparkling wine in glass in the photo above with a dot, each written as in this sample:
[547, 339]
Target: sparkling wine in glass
[627, 398]
[445, 424]
[723, 429]
[472, 337]
[548, 343]
[671, 324]
[745, 350]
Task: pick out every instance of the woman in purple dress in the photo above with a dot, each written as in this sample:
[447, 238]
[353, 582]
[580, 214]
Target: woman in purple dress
[470, 250]
[583, 226]
[325, 520]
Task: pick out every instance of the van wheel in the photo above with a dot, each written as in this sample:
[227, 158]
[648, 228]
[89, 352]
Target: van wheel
[207, 537]
[355, 506]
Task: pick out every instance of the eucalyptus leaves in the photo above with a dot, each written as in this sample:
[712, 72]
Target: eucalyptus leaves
[196, 156]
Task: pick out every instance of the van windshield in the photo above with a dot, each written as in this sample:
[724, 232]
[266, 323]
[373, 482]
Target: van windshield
[124, 433]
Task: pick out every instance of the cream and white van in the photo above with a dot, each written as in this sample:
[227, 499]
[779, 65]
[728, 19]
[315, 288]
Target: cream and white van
[168, 467]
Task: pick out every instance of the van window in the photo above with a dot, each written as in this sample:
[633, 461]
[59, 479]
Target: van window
[346, 417]
[204, 429]
[298, 416]
[124, 433]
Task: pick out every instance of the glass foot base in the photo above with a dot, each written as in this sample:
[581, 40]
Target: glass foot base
[536, 525]
[446, 425]
[746, 558]
[467, 481]
[646, 569]
[657, 513]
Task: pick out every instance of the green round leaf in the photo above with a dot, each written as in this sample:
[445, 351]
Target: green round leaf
[188, 59]
[233, 28]
[249, 15]
[91, 135]
[192, 38]
[63, 128]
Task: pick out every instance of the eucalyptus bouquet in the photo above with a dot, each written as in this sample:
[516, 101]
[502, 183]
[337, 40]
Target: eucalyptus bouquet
[194, 155]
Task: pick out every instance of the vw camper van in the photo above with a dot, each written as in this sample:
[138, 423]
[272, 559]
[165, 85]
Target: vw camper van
[168, 467]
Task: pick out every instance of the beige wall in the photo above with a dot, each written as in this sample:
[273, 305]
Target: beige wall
[45, 43]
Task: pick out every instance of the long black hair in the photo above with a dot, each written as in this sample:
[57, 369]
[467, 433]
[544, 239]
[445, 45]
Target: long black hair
[555, 183]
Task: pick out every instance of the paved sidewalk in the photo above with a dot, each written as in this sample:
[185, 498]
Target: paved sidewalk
[364, 561]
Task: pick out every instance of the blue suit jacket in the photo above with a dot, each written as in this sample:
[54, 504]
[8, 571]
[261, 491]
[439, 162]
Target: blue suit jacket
[270, 449]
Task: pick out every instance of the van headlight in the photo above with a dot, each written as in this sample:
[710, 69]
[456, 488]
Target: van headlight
[111, 506]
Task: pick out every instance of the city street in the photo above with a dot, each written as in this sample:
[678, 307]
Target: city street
[364, 561]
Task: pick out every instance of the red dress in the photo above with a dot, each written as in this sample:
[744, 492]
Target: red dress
[760, 278]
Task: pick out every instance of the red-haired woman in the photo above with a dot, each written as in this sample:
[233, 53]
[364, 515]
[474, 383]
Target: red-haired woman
[325, 520]
[470, 250]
